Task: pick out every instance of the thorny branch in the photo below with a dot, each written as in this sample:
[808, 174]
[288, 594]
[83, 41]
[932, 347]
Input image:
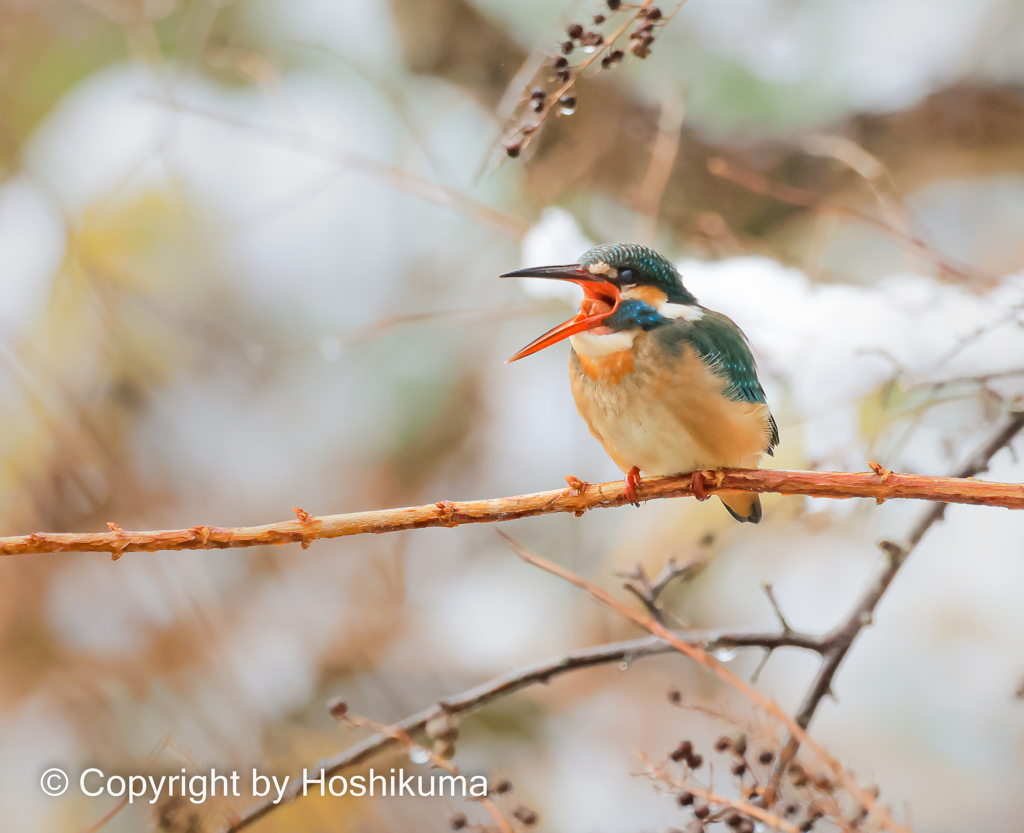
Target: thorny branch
[514, 681]
[702, 657]
[837, 644]
[832, 647]
[880, 484]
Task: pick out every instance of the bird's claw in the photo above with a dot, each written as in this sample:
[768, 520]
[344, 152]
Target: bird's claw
[632, 481]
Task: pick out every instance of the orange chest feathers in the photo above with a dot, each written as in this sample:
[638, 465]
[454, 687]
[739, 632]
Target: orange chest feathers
[609, 369]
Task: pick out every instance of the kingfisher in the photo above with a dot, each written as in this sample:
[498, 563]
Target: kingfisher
[667, 386]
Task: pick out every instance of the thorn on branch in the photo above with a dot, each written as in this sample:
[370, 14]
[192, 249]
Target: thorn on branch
[895, 552]
[201, 534]
[301, 514]
[576, 486]
[769, 591]
[880, 470]
[447, 511]
[117, 550]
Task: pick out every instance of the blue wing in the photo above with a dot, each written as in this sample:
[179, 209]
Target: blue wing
[720, 343]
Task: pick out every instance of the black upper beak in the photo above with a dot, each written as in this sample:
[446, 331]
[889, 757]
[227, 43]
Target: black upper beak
[599, 293]
[569, 272]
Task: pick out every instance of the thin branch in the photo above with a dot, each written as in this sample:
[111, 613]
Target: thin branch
[760, 184]
[880, 484]
[838, 643]
[395, 177]
[649, 592]
[703, 657]
[514, 681]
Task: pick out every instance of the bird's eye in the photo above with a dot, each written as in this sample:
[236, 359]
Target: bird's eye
[626, 275]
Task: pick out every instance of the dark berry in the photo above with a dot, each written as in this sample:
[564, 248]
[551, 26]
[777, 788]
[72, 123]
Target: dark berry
[722, 744]
[702, 812]
[766, 757]
[513, 150]
[574, 30]
[458, 821]
[685, 799]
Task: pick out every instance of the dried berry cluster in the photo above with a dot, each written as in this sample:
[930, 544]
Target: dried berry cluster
[805, 797]
[523, 814]
[551, 90]
[742, 769]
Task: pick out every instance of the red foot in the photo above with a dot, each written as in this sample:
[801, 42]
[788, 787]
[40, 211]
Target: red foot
[697, 485]
[632, 484]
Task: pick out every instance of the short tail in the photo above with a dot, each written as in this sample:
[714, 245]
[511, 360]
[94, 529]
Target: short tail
[745, 507]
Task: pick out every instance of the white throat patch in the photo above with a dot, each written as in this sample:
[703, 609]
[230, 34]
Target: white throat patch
[594, 346]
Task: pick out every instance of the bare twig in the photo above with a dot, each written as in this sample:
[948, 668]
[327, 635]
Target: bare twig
[649, 591]
[838, 643]
[659, 169]
[703, 657]
[880, 485]
[760, 184]
[397, 734]
[397, 178]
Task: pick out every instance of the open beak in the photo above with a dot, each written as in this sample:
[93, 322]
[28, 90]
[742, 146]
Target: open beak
[600, 299]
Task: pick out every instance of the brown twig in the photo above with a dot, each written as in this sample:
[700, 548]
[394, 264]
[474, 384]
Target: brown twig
[399, 733]
[649, 590]
[881, 486]
[704, 658]
[838, 643]
[760, 184]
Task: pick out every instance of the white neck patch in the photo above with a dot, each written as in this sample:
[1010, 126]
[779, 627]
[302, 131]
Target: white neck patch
[594, 346]
[683, 312]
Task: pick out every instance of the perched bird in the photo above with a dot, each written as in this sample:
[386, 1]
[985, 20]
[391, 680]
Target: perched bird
[665, 385]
